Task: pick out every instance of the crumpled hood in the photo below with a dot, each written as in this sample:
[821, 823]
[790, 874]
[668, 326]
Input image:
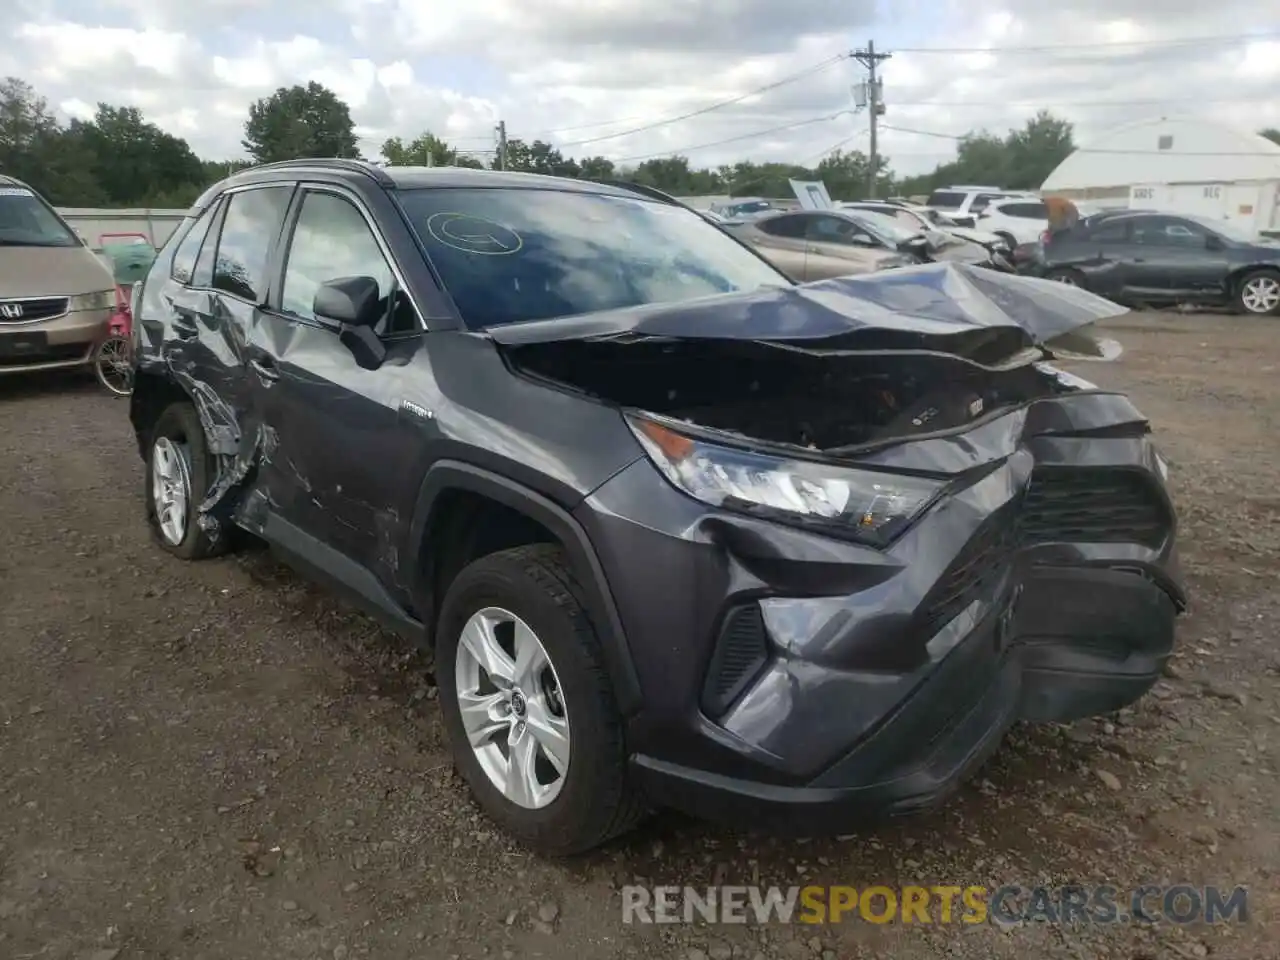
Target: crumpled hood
[930, 300]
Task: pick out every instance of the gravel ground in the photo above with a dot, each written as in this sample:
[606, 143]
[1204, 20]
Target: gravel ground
[218, 760]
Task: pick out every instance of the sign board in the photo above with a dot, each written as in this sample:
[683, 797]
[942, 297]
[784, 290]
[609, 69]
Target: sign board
[812, 194]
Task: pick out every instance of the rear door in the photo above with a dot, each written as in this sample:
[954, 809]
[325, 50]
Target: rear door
[234, 263]
[317, 399]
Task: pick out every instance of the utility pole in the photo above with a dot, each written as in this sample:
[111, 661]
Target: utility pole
[875, 106]
[502, 144]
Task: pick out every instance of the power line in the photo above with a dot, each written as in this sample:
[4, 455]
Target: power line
[1102, 45]
[790, 78]
[745, 136]
[818, 157]
[1059, 105]
[1102, 150]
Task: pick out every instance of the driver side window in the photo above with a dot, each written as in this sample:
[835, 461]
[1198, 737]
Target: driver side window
[332, 239]
[824, 229]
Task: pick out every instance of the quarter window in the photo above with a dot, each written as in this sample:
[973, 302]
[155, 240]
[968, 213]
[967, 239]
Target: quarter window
[184, 258]
[332, 240]
[248, 229]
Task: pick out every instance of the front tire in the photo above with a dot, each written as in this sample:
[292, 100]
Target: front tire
[528, 707]
[180, 471]
[1258, 293]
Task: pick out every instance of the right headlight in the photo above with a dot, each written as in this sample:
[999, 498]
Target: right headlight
[863, 505]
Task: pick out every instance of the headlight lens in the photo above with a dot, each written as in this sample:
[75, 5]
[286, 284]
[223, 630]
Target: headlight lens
[103, 300]
[865, 505]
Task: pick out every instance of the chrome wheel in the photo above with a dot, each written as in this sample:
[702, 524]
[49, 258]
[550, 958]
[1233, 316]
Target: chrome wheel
[171, 488]
[1260, 294]
[512, 709]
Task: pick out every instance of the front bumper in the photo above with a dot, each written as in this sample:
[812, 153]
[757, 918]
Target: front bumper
[58, 343]
[887, 676]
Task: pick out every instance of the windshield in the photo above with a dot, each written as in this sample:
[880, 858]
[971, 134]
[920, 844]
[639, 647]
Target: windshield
[512, 255]
[27, 221]
[886, 228]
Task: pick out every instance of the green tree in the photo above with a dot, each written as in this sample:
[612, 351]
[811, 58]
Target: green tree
[1021, 160]
[298, 121]
[1271, 133]
[34, 149]
[427, 150]
[597, 168]
[539, 157]
[134, 160]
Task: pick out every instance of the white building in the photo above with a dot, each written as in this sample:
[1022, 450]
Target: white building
[1179, 164]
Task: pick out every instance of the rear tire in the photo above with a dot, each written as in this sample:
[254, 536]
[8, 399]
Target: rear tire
[592, 801]
[181, 470]
[1258, 293]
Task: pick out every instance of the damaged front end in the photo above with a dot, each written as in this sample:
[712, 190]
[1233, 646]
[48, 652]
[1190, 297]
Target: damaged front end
[872, 526]
[833, 368]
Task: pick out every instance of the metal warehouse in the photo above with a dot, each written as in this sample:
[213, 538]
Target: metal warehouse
[1188, 164]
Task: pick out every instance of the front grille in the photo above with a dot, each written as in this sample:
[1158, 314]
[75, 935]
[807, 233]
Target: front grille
[1092, 505]
[741, 650]
[29, 311]
[973, 572]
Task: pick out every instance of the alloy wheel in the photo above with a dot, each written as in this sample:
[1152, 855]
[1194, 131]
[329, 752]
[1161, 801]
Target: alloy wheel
[1261, 294]
[512, 709]
[171, 488]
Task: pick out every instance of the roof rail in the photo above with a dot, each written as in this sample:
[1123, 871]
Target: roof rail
[364, 167]
[653, 193]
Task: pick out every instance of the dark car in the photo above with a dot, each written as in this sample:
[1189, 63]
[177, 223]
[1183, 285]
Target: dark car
[1160, 258]
[677, 531]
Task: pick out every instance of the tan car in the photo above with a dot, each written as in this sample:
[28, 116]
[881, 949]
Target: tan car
[56, 296]
[817, 245]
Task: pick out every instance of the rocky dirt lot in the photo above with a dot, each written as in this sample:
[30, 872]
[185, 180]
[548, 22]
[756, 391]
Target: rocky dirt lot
[217, 760]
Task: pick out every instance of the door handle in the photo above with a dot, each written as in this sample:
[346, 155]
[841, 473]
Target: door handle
[264, 368]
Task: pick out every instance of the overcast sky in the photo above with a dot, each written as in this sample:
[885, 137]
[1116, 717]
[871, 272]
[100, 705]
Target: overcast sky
[576, 70]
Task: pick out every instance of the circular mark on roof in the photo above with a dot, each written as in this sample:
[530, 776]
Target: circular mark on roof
[470, 234]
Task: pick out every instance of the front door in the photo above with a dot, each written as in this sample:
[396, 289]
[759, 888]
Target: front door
[1174, 260]
[341, 445]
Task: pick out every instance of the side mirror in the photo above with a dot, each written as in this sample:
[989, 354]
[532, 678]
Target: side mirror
[1214, 242]
[350, 301]
[353, 303]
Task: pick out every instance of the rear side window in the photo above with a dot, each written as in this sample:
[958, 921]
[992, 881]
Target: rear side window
[981, 200]
[947, 199]
[249, 228]
[1027, 211]
[184, 258]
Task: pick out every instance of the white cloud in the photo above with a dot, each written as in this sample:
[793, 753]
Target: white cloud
[578, 70]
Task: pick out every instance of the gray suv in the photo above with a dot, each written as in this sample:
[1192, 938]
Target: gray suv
[679, 531]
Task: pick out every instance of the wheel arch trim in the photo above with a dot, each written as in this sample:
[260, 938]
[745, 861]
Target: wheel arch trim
[446, 475]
